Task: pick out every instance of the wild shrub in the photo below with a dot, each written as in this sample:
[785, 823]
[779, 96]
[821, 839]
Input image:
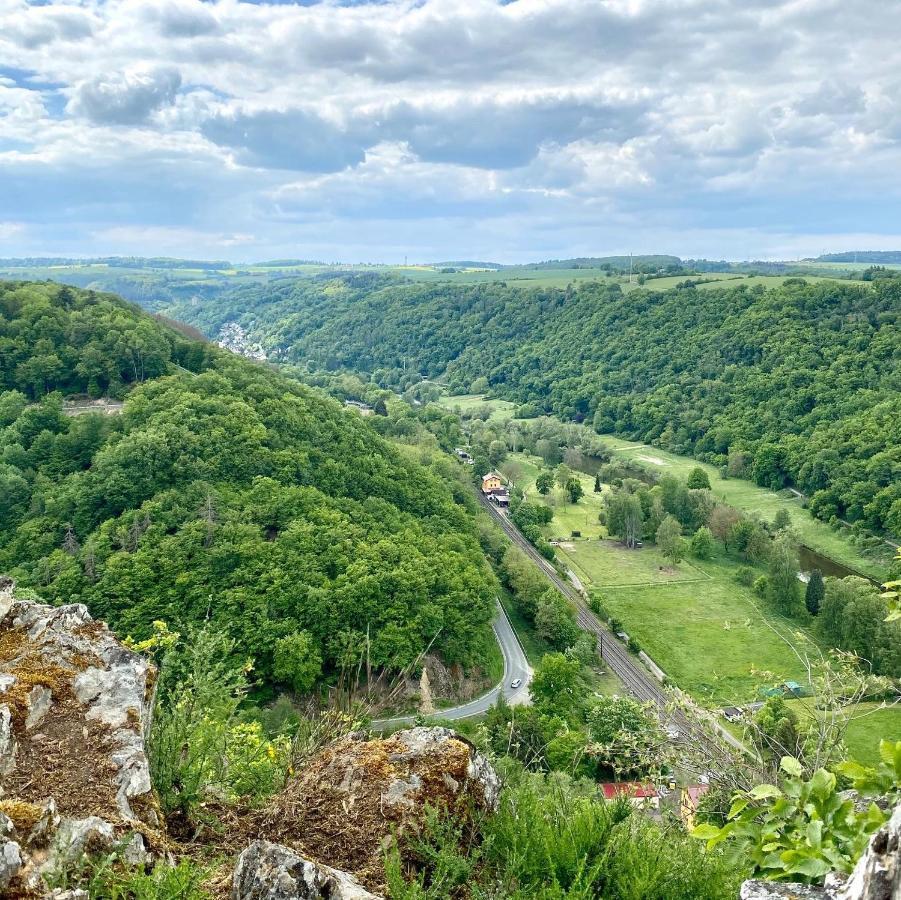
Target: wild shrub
[198, 746]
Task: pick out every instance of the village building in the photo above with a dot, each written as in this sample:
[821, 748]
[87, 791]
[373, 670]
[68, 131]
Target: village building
[641, 796]
[492, 482]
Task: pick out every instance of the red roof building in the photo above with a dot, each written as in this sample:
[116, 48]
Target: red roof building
[637, 793]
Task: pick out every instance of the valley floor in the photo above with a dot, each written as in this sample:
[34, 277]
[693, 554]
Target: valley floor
[709, 633]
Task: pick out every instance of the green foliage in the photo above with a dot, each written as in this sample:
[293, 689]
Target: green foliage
[782, 519]
[775, 381]
[234, 483]
[624, 516]
[783, 590]
[670, 541]
[556, 839]
[574, 490]
[609, 716]
[625, 737]
[702, 545]
[555, 688]
[109, 878]
[805, 828]
[555, 620]
[854, 617]
[544, 482]
[776, 730]
[814, 592]
[197, 744]
[698, 478]
[298, 662]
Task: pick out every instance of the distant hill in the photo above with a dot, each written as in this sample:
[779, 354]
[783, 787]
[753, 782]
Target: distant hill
[794, 386]
[282, 263]
[120, 262]
[468, 264]
[224, 492]
[650, 262]
[861, 256]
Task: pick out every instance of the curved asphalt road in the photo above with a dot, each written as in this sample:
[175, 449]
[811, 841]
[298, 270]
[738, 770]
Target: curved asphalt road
[515, 666]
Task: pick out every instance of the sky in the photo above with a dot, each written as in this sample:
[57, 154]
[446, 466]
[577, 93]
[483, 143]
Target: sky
[449, 129]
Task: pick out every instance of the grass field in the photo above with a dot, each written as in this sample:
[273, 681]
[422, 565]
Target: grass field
[869, 723]
[500, 410]
[568, 517]
[610, 564]
[707, 632]
[747, 496]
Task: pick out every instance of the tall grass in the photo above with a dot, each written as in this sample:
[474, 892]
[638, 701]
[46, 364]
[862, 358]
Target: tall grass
[556, 839]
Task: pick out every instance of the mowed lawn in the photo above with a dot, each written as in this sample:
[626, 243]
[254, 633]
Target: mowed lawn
[711, 635]
[751, 498]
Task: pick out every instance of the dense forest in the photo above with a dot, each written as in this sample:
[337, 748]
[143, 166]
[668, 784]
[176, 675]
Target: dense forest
[224, 492]
[795, 386]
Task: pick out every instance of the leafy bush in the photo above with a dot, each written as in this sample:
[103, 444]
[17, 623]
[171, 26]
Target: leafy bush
[109, 878]
[805, 828]
[554, 838]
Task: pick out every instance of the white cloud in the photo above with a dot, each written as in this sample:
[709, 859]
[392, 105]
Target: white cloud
[673, 118]
[126, 98]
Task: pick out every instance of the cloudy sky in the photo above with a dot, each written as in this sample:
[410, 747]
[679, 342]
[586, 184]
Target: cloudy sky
[448, 129]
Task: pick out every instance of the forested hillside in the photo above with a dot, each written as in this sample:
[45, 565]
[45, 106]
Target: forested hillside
[225, 493]
[798, 385]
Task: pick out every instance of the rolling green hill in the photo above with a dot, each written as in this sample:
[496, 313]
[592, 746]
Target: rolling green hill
[222, 492]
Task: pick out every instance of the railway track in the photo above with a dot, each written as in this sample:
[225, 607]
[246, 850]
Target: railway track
[637, 680]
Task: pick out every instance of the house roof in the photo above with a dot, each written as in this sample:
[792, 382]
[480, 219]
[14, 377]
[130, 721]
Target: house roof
[693, 793]
[614, 789]
[491, 475]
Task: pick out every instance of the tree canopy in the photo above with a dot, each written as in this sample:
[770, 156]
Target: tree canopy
[223, 492]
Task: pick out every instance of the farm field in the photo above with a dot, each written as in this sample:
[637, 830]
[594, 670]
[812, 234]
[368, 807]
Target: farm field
[707, 632]
[751, 498]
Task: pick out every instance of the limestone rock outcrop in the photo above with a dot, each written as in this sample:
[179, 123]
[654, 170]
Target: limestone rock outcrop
[350, 801]
[74, 775]
[877, 875]
[272, 872]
